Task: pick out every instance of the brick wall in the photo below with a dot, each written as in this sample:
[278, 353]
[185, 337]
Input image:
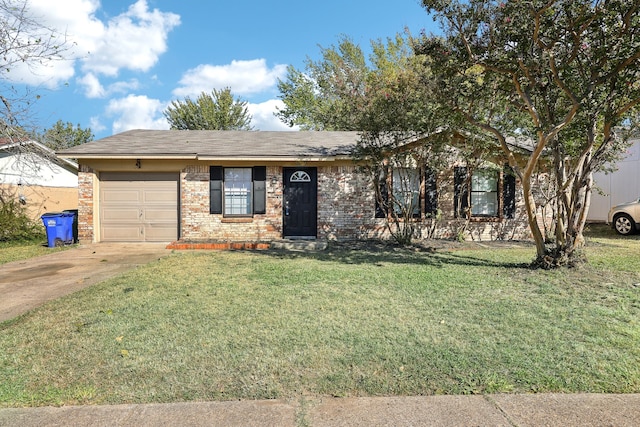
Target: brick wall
[346, 204]
[197, 224]
[86, 180]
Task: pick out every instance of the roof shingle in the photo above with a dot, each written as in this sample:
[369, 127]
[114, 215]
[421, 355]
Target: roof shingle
[204, 144]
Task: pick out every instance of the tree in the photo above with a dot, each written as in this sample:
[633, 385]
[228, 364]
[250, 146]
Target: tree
[23, 40]
[64, 135]
[382, 97]
[330, 94]
[559, 75]
[216, 111]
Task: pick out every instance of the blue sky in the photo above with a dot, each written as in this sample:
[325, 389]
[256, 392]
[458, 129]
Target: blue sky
[129, 59]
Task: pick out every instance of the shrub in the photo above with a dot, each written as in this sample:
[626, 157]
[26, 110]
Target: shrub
[16, 224]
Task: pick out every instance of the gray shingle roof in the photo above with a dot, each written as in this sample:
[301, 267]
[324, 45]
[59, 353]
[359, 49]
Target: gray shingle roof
[203, 144]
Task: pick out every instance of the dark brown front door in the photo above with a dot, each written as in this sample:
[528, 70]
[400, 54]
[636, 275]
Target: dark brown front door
[300, 202]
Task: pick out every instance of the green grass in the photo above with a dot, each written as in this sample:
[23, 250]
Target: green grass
[259, 325]
[16, 251]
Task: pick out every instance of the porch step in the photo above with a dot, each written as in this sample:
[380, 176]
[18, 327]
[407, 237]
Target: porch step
[299, 245]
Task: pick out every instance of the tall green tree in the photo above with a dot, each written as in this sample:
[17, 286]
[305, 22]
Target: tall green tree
[562, 76]
[64, 135]
[218, 110]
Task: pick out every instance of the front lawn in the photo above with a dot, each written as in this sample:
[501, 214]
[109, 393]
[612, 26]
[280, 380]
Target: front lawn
[259, 325]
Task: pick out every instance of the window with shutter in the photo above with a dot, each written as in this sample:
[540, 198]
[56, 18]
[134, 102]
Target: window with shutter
[237, 191]
[405, 188]
[478, 194]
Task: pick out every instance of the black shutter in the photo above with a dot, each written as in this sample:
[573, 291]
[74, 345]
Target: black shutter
[430, 192]
[461, 192]
[509, 192]
[381, 209]
[215, 189]
[259, 189]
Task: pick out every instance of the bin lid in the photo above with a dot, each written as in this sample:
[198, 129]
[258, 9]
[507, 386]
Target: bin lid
[51, 214]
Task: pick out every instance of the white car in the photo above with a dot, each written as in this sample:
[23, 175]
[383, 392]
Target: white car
[625, 218]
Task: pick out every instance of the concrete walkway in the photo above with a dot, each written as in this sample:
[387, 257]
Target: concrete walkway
[566, 410]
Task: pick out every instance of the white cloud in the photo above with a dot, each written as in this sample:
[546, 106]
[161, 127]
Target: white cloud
[96, 124]
[123, 86]
[133, 40]
[136, 112]
[92, 86]
[262, 116]
[94, 89]
[243, 77]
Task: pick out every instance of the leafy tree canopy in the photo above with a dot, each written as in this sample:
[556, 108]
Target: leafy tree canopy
[218, 110]
[347, 90]
[64, 135]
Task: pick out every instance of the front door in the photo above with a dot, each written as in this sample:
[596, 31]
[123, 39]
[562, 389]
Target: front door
[300, 202]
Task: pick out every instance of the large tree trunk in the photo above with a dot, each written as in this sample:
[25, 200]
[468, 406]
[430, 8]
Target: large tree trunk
[530, 206]
[574, 182]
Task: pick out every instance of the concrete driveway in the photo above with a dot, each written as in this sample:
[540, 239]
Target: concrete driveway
[27, 284]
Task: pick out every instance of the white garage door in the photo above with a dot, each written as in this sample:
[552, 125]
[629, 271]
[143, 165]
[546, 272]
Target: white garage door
[138, 207]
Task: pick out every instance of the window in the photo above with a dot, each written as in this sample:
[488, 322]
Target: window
[484, 192]
[479, 194]
[237, 191]
[406, 189]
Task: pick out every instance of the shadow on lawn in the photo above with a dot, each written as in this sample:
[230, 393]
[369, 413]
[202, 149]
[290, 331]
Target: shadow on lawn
[440, 252]
[380, 253]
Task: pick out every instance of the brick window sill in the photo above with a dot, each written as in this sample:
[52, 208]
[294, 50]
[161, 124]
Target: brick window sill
[485, 219]
[236, 220]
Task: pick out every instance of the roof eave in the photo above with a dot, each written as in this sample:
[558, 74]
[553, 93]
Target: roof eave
[207, 158]
[273, 158]
[129, 156]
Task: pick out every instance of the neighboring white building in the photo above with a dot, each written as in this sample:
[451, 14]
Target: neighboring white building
[31, 173]
[622, 185]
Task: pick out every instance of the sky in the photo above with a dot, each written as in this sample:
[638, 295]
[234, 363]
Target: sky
[127, 59]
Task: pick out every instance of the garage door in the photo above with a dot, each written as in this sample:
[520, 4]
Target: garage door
[138, 207]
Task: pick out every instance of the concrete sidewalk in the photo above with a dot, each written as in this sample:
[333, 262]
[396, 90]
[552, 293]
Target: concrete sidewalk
[565, 410]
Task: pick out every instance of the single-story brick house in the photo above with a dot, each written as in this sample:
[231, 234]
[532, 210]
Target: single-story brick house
[251, 187]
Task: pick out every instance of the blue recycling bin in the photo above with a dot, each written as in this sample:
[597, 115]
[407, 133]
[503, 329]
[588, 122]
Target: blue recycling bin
[59, 227]
[75, 223]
